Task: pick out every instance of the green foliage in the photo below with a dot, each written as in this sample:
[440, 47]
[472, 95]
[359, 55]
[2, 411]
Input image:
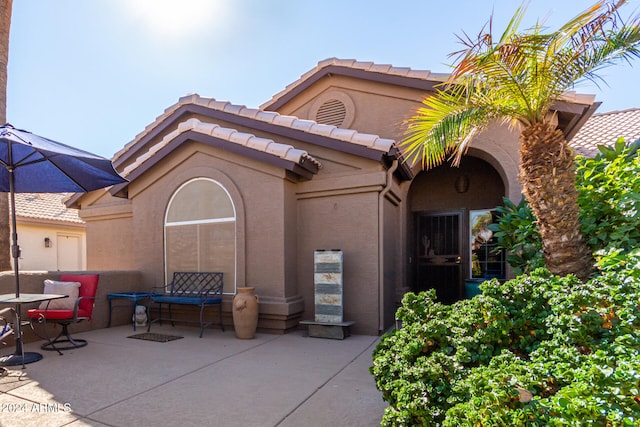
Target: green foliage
[517, 234]
[538, 350]
[609, 199]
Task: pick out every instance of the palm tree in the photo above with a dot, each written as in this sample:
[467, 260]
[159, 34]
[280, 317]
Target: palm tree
[5, 25]
[516, 79]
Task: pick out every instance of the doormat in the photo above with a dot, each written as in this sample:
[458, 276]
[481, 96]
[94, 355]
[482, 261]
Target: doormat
[149, 336]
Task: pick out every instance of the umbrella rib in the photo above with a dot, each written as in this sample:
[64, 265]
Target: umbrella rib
[50, 158]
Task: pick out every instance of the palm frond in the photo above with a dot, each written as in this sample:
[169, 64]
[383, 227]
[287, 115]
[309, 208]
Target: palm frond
[517, 77]
[442, 128]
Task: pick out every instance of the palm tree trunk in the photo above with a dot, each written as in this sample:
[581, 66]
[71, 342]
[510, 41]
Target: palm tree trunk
[548, 180]
[5, 25]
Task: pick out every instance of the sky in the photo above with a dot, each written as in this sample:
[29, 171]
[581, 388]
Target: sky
[94, 73]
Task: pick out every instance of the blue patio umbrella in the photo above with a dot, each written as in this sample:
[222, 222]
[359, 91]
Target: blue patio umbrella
[34, 164]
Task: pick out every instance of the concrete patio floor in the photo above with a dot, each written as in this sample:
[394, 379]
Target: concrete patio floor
[218, 380]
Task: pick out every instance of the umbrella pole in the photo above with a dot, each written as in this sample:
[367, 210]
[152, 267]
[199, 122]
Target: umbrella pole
[19, 357]
[15, 249]
[15, 252]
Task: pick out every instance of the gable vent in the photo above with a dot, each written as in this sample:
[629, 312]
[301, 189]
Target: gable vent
[331, 112]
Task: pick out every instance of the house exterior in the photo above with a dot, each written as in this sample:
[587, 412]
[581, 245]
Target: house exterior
[51, 236]
[253, 192]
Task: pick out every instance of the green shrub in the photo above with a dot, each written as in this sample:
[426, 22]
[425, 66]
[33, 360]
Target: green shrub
[516, 233]
[537, 350]
[609, 199]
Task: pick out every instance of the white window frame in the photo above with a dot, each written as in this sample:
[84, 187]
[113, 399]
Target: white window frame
[205, 221]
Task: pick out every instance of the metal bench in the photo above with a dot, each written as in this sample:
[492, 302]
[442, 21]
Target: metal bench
[200, 289]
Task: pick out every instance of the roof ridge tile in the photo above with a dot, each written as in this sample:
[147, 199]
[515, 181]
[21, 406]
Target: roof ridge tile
[249, 112]
[626, 110]
[361, 65]
[305, 125]
[242, 138]
[271, 117]
[284, 151]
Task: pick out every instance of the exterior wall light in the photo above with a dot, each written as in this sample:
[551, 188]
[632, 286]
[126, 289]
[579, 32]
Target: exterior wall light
[462, 184]
[47, 242]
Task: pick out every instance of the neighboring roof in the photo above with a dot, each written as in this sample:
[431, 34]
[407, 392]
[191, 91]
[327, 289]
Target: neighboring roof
[605, 129]
[45, 206]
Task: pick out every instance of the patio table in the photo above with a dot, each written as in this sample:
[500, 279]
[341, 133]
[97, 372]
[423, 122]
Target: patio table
[131, 296]
[19, 357]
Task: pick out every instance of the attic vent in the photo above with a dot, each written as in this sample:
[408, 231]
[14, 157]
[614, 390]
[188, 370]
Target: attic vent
[333, 108]
[332, 112]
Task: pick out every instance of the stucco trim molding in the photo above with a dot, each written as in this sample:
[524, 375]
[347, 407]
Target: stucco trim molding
[105, 212]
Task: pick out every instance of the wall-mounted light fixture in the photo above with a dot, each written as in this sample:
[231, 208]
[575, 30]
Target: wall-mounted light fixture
[47, 242]
[462, 184]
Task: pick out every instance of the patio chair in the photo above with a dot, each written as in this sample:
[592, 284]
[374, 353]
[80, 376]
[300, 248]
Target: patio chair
[7, 316]
[67, 311]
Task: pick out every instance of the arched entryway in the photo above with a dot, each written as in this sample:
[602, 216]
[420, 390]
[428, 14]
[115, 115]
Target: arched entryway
[443, 202]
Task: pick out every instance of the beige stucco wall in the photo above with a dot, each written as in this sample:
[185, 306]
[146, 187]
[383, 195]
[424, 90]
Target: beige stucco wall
[381, 109]
[110, 233]
[34, 254]
[348, 222]
[393, 278]
[265, 225]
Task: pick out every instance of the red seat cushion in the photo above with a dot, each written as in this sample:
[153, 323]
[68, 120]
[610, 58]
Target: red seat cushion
[88, 288]
[35, 313]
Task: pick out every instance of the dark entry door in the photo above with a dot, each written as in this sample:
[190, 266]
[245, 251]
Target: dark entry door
[440, 254]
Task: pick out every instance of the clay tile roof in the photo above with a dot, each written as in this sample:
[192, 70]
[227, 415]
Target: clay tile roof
[283, 151]
[368, 140]
[605, 128]
[45, 206]
[364, 66]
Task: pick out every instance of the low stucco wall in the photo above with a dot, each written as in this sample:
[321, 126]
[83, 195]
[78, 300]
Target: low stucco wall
[110, 282]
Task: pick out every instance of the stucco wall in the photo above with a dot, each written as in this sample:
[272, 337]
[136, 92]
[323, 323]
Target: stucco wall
[392, 273]
[348, 222]
[265, 224]
[36, 256]
[379, 108]
[109, 233]
[435, 189]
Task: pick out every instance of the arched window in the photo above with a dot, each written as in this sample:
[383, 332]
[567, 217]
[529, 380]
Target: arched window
[200, 231]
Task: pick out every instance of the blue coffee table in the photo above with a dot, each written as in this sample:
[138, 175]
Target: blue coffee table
[134, 297]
